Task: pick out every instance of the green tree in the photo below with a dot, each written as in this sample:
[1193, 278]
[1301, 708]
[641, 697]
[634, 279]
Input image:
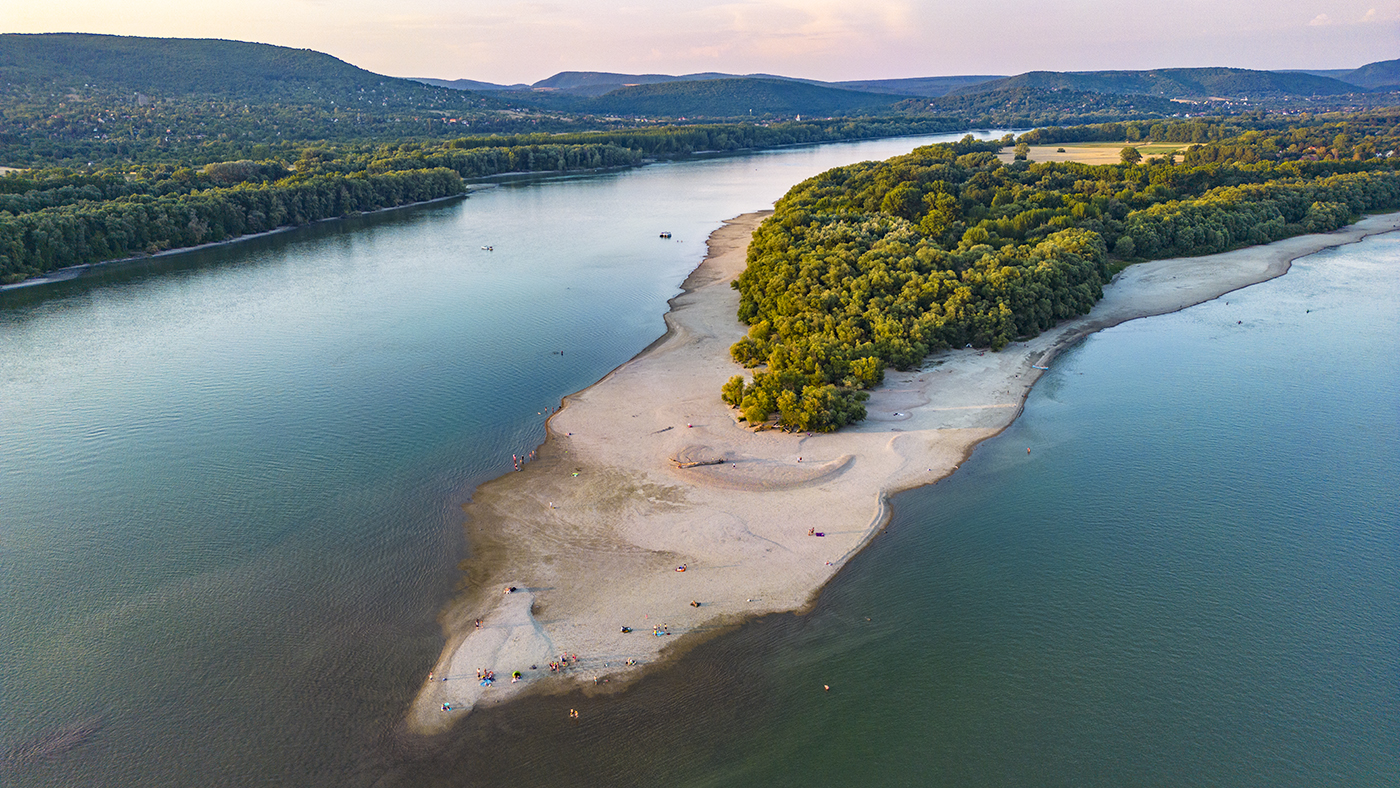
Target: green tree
[1130, 155]
[733, 391]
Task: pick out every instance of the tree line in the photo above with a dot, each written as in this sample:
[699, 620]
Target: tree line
[91, 231]
[53, 217]
[878, 264]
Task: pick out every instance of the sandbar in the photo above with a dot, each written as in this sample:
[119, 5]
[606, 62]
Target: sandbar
[647, 472]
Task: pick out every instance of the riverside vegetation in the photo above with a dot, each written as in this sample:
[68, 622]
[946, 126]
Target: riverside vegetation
[878, 264]
[174, 196]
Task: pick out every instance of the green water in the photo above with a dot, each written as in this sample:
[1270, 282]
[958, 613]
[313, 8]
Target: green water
[230, 480]
[1193, 579]
[229, 513]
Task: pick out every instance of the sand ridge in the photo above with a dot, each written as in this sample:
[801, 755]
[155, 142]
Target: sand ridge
[594, 533]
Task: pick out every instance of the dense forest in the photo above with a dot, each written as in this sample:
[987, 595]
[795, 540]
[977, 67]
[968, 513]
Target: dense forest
[1020, 107]
[878, 264]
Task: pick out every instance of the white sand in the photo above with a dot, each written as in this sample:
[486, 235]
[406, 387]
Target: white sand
[593, 531]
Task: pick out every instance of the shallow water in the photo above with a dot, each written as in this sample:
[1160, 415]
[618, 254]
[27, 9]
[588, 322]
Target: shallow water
[230, 480]
[1193, 578]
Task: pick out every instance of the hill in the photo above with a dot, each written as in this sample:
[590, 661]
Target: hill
[183, 67]
[1384, 75]
[469, 84]
[930, 87]
[1170, 83]
[597, 83]
[1027, 106]
[735, 97]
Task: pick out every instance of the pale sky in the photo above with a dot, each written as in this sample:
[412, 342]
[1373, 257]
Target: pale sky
[511, 41]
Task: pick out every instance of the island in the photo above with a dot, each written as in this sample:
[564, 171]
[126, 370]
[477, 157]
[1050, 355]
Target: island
[652, 518]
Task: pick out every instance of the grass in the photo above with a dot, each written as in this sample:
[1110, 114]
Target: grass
[1091, 152]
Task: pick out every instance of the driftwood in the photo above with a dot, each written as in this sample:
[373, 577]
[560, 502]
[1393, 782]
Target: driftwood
[698, 463]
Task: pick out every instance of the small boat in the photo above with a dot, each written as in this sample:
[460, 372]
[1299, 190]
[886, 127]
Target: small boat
[665, 235]
[488, 248]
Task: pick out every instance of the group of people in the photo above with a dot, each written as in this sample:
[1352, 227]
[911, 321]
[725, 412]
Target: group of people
[563, 662]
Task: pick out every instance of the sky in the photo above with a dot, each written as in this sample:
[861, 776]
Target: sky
[509, 41]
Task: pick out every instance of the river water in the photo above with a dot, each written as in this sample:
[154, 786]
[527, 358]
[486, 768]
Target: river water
[230, 488]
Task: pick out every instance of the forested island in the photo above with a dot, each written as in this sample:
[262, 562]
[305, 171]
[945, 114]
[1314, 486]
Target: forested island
[878, 264]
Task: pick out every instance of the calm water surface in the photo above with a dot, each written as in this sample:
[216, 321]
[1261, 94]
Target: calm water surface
[229, 512]
[230, 480]
[1193, 579]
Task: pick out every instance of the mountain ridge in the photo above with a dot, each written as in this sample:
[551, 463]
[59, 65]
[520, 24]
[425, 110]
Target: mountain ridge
[1176, 83]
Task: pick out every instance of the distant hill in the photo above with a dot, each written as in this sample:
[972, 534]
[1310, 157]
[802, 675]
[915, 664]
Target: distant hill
[1383, 75]
[1334, 73]
[916, 86]
[597, 83]
[1023, 106]
[469, 84]
[178, 67]
[1186, 83]
[735, 97]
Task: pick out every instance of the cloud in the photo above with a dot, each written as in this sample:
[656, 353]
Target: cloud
[1320, 20]
[1373, 16]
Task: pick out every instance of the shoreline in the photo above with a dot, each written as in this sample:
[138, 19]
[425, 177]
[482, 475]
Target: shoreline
[592, 534]
[69, 273]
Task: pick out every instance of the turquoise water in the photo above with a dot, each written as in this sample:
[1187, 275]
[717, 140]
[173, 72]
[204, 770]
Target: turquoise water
[230, 480]
[1193, 579]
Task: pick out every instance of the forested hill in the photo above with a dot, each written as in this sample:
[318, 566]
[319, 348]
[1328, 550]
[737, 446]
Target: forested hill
[1384, 75]
[1023, 107]
[1183, 83]
[83, 64]
[596, 83]
[738, 97]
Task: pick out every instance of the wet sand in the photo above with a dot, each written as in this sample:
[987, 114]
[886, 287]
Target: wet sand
[647, 472]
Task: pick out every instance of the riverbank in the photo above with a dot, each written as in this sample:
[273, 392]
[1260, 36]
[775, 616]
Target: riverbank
[591, 534]
[76, 271]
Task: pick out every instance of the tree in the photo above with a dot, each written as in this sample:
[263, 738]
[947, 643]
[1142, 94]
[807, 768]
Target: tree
[1130, 155]
[1022, 151]
[733, 391]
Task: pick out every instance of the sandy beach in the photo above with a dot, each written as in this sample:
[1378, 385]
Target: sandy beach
[648, 473]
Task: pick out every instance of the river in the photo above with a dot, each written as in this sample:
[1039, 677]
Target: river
[230, 488]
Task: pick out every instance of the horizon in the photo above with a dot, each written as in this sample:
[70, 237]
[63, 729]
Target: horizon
[821, 40]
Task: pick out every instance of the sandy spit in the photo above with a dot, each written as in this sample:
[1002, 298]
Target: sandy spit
[593, 533]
